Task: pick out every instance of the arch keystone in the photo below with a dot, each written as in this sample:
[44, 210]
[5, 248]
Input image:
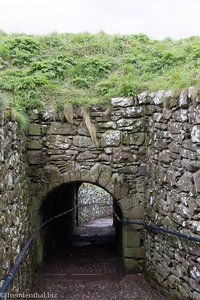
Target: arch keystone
[93, 174]
[105, 175]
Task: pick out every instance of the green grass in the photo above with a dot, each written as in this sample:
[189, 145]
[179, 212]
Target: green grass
[86, 68]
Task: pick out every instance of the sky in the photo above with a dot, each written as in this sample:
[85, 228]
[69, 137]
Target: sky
[156, 18]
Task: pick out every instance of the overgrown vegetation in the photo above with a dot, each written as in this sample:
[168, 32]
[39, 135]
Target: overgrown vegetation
[84, 68]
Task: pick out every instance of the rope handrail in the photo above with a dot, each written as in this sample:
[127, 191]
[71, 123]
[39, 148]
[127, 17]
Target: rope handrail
[7, 281]
[158, 228]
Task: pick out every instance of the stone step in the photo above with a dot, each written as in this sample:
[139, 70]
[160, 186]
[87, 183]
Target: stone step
[63, 277]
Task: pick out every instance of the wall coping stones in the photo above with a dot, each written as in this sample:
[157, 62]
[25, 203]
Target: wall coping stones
[122, 102]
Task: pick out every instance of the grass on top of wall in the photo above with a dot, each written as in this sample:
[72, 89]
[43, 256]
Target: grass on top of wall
[51, 70]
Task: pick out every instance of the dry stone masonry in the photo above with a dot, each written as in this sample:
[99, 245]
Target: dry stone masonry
[61, 153]
[97, 203]
[173, 195]
[15, 225]
[147, 158]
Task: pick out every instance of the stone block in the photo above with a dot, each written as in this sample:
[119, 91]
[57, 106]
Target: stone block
[132, 265]
[173, 147]
[83, 142]
[181, 115]
[167, 222]
[143, 169]
[122, 154]
[58, 142]
[124, 123]
[130, 237]
[110, 186]
[173, 280]
[125, 138]
[85, 155]
[34, 129]
[105, 175]
[167, 113]
[65, 177]
[120, 190]
[33, 114]
[182, 210]
[104, 157]
[172, 176]
[195, 134]
[108, 150]
[48, 115]
[9, 180]
[196, 295]
[62, 128]
[130, 169]
[158, 97]
[34, 145]
[82, 130]
[190, 165]
[133, 112]
[194, 284]
[74, 170]
[195, 272]
[137, 138]
[164, 156]
[184, 99]
[122, 102]
[194, 115]
[179, 137]
[35, 157]
[157, 117]
[197, 181]
[107, 125]
[135, 213]
[51, 174]
[101, 117]
[184, 291]
[130, 201]
[151, 109]
[174, 127]
[93, 174]
[136, 252]
[111, 138]
[186, 153]
[143, 98]
[185, 183]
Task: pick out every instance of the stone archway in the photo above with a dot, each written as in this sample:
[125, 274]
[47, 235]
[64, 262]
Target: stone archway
[60, 233]
[101, 175]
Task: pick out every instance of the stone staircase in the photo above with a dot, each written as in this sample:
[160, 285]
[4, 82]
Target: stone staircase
[89, 267]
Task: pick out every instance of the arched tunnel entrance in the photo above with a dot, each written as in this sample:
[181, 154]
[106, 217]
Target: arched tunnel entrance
[89, 224]
[82, 249]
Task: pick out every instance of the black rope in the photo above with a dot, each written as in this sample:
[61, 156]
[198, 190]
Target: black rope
[10, 276]
[7, 281]
[158, 228]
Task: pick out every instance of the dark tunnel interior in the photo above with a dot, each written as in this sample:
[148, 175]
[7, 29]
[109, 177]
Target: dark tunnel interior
[62, 231]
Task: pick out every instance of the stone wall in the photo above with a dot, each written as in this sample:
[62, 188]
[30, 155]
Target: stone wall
[101, 203]
[148, 159]
[62, 153]
[173, 193]
[15, 224]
